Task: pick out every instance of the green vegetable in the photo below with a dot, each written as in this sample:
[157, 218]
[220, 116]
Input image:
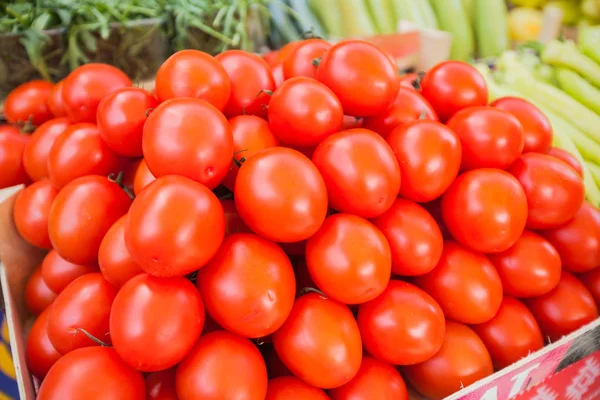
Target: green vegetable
[306, 19]
[282, 22]
[383, 15]
[453, 18]
[566, 54]
[589, 42]
[328, 12]
[491, 27]
[418, 11]
[569, 8]
[579, 89]
[356, 20]
[595, 170]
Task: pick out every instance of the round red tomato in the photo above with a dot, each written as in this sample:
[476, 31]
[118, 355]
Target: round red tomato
[12, 147]
[80, 151]
[143, 177]
[280, 194]
[28, 102]
[360, 171]
[567, 157]
[485, 210]
[81, 214]
[38, 296]
[374, 379]
[193, 73]
[40, 355]
[462, 360]
[161, 385]
[58, 272]
[303, 112]
[409, 316]
[286, 51]
[251, 82]
[31, 210]
[56, 103]
[301, 62]
[35, 156]
[564, 309]
[265, 286]
[451, 86]
[84, 304]
[578, 241]
[114, 259]
[292, 388]
[343, 270]
[465, 284]
[222, 366]
[174, 226]
[414, 237]
[351, 122]
[87, 85]
[93, 373]
[429, 155]
[233, 222]
[188, 137]
[511, 335]
[362, 76]
[250, 135]
[536, 126]
[121, 116]
[410, 80]
[409, 106]
[320, 329]
[530, 268]
[490, 137]
[554, 191]
[591, 280]
[156, 313]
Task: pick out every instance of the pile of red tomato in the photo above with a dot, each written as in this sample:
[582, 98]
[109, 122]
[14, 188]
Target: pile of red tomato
[306, 225]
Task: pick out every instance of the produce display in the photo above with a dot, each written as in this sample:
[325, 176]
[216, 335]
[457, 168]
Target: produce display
[306, 223]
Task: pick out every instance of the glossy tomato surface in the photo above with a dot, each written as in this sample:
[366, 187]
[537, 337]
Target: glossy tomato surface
[58, 272]
[292, 388]
[35, 156]
[566, 157]
[116, 264]
[304, 59]
[591, 280]
[38, 296]
[28, 102]
[31, 210]
[142, 178]
[161, 385]
[12, 147]
[40, 355]
[56, 104]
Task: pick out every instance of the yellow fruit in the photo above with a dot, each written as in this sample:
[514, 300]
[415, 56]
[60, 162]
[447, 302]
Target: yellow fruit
[525, 24]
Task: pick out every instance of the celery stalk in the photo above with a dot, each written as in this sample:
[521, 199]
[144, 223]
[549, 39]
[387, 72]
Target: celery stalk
[328, 13]
[595, 170]
[566, 54]
[383, 15]
[356, 21]
[579, 89]
[589, 41]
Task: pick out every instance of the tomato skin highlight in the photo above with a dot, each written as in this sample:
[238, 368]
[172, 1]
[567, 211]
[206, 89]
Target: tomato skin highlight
[317, 329]
[292, 388]
[343, 272]
[37, 151]
[115, 262]
[31, 210]
[360, 171]
[38, 296]
[407, 313]
[174, 226]
[12, 147]
[28, 102]
[300, 61]
[58, 272]
[39, 352]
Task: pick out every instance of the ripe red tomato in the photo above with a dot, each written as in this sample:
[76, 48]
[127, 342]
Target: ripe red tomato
[35, 156]
[143, 177]
[292, 388]
[161, 385]
[465, 284]
[578, 241]
[564, 309]
[277, 71]
[40, 355]
[344, 271]
[530, 268]
[320, 329]
[114, 259]
[31, 210]
[414, 237]
[567, 157]
[222, 366]
[374, 380]
[58, 272]
[303, 112]
[174, 226]
[462, 360]
[233, 222]
[38, 296]
[156, 313]
[409, 80]
[554, 190]
[280, 194]
[84, 304]
[301, 62]
[80, 151]
[511, 335]
[490, 137]
[81, 214]
[408, 106]
[87, 85]
[591, 280]
[121, 116]
[188, 137]
[271, 57]
[250, 135]
[351, 122]
[265, 287]
[56, 103]
[360, 171]
[286, 51]
[12, 146]
[28, 103]
[485, 210]
[429, 155]
[93, 373]
[536, 126]
[451, 86]
[407, 314]
[193, 73]
[251, 82]
[362, 76]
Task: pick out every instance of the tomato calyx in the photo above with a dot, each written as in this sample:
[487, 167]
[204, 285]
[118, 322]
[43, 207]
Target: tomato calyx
[309, 289]
[316, 62]
[26, 127]
[310, 34]
[90, 336]
[119, 181]
[238, 163]
[148, 111]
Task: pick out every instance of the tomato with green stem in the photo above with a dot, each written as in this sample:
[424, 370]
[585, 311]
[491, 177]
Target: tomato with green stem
[28, 103]
[35, 156]
[304, 59]
[31, 210]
